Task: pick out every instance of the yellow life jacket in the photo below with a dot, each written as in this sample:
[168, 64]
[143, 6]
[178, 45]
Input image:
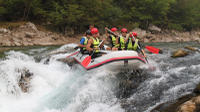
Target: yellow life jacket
[121, 42]
[131, 46]
[95, 43]
[113, 39]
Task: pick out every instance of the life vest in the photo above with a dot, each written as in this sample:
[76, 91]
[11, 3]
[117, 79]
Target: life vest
[121, 41]
[130, 45]
[85, 42]
[95, 44]
[113, 39]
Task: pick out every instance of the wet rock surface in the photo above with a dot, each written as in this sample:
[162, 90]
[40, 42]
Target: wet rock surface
[187, 103]
[24, 82]
[191, 48]
[179, 53]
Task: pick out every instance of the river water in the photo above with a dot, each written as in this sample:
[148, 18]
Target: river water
[56, 87]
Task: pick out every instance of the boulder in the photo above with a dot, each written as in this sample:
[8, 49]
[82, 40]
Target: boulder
[154, 29]
[3, 30]
[179, 53]
[24, 82]
[29, 35]
[16, 43]
[197, 89]
[31, 26]
[141, 33]
[54, 38]
[191, 48]
[188, 106]
[160, 51]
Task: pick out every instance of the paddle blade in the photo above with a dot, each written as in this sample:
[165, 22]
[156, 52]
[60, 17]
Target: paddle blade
[152, 49]
[86, 61]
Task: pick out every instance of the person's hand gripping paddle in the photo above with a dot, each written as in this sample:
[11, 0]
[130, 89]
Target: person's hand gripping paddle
[88, 59]
[151, 67]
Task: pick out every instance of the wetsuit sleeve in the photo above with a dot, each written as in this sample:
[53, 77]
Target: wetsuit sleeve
[141, 46]
[109, 41]
[82, 40]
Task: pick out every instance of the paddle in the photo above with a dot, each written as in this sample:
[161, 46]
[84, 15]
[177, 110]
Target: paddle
[112, 32]
[152, 49]
[87, 60]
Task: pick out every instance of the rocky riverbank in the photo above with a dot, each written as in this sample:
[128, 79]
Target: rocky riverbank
[27, 34]
[155, 34]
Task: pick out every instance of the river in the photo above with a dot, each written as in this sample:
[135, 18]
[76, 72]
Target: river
[56, 87]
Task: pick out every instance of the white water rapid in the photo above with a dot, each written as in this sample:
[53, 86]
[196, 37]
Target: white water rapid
[56, 87]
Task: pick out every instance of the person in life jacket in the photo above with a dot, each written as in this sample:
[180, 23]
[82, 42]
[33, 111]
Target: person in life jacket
[93, 45]
[111, 39]
[84, 41]
[120, 41]
[132, 43]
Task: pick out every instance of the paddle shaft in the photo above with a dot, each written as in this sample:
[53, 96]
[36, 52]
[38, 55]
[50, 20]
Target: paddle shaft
[112, 32]
[98, 47]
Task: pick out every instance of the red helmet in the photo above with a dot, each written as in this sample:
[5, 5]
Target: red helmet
[113, 29]
[124, 30]
[133, 34]
[94, 30]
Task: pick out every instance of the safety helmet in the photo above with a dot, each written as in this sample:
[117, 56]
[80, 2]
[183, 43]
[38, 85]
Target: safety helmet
[88, 32]
[133, 34]
[113, 29]
[124, 30]
[94, 30]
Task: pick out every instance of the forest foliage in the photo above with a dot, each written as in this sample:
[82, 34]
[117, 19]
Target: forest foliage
[76, 15]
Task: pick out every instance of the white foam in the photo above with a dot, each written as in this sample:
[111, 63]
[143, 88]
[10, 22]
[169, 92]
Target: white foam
[54, 87]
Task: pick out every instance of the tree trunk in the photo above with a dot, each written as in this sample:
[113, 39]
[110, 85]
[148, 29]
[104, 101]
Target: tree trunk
[28, 12]
[24, 15]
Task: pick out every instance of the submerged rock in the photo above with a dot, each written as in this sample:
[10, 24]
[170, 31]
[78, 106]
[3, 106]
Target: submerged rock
[24, 82]
[172, 106]
[179, 53]
[69, 61]
[187, 103]
[191, 48]
[190, 106]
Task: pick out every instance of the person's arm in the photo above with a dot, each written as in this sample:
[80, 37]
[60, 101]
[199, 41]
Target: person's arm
[141, 48]
[107, 34]
[127, 36]
[143, 53]
[90, 41]
[102, 44]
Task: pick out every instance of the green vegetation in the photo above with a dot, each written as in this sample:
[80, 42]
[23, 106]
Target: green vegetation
[76, 15]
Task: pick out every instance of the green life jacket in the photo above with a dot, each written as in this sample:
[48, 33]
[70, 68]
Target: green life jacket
[121, 42]
[131, 46]
[85, 42]
[113, 39]
[95, 43]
